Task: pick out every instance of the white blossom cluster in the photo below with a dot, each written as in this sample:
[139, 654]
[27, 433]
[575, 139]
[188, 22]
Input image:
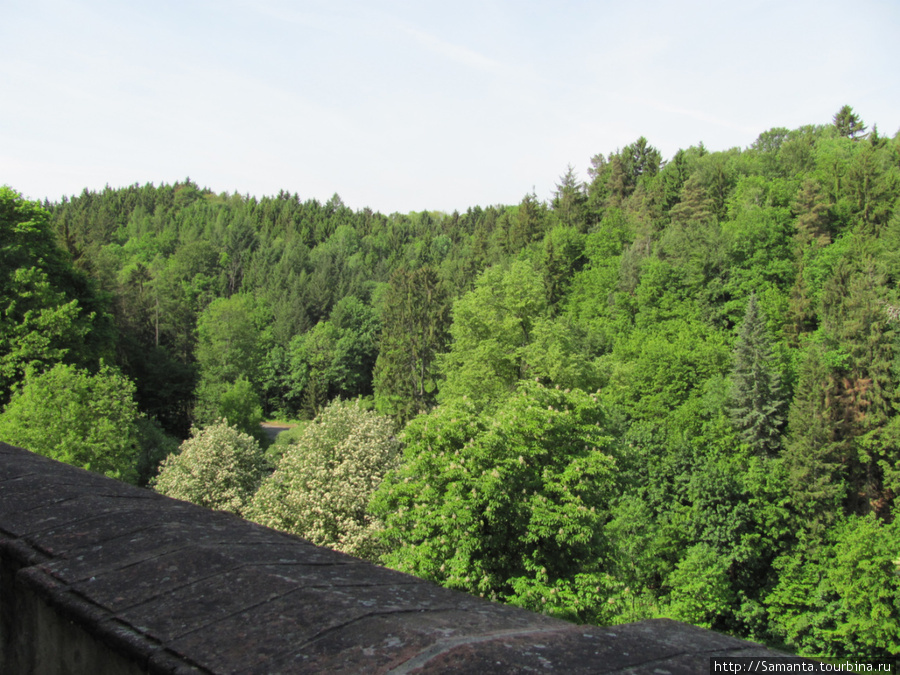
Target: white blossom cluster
[218, 467]
[321, 488]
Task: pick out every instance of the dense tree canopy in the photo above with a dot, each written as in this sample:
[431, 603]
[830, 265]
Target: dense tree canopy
[510, 506]
[49, 312]
[729, 319]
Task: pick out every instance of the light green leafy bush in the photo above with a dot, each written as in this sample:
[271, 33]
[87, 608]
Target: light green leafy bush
[72, 416]
[509, 505]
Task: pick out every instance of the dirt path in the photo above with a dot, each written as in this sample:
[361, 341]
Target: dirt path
[272, 430]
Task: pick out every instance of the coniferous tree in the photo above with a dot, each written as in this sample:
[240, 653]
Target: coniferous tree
[643, 158]
[569, 200]
[848, 123]
[801, 315]
[634, 284]
[529, 222]
[695, 205]
[415, 320]
[862, 390]
[814, 454]
[813, 215]
[757, 402]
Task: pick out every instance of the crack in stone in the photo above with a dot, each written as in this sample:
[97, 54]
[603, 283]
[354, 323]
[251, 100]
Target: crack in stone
[444, 646]
[344, 624]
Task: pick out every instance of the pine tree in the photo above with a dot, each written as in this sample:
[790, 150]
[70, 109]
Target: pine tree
[801, 315]
[695, 205]
[756, 404]
[569, 200]
[863, 390]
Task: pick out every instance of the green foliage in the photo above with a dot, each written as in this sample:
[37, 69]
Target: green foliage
[509, 506]
[493, 327]
[38, 329]
[45, 305]
[230, 345]
[812, 456]
[322, 485]
[701, 589]
[847, 123]
[737, 506]
[415, 319]
[334, 359]
[218, 467]
[636, 284]
[756, 404]
[652, 372]
[75, 417]
[842, 598]
[561, 257]
[760, 253]
[560, 353]
[240, 407]
[570, 200]
[154, 446]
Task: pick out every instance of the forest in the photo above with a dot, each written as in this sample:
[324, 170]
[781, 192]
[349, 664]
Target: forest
[671, 389]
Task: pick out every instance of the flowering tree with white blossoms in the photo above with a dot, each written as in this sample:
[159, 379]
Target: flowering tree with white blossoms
[321, 488]
[218, 467]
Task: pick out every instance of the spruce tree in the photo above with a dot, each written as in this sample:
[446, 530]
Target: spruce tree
[756, 403]
[416, 319]
[848, 123]
[814, 452]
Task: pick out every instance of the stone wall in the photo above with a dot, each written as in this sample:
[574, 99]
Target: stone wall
[101, 577]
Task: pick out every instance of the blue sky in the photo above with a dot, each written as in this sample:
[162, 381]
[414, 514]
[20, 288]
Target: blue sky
[400, 105]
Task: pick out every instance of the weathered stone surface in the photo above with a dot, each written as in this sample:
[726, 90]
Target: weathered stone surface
[97, 576]
[659, 646]
[131, 585]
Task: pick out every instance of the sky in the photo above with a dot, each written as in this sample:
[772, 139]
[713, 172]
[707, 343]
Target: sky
[403, 105]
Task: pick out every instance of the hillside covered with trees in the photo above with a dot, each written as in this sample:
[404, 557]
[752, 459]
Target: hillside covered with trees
[672, 389]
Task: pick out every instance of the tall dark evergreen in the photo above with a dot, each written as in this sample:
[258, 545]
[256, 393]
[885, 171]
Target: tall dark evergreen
[814, 453]
[849, 124]
[756, 403]
[415, 323]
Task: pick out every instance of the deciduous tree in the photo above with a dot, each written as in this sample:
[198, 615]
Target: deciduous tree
[322, 485]
[219, 467]
[510, 505]
[75, 417]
